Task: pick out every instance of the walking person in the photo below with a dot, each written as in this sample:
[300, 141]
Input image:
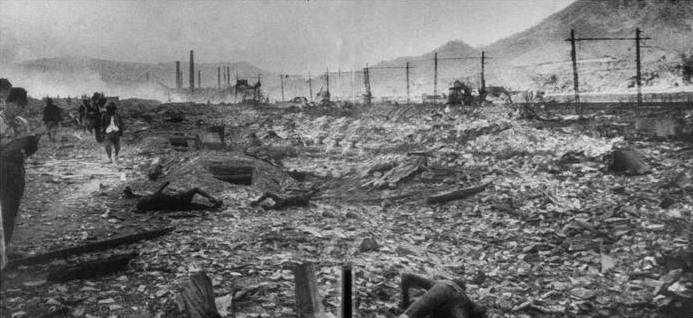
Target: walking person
[83, 108]
[51, 118]
[112, 129]
[98, 101]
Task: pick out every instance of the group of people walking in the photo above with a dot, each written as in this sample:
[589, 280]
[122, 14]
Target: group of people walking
[104, 122]
[18, 142]
[107, 126]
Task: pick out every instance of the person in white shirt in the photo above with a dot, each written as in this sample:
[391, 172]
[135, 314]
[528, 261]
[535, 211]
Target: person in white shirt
[15, 146]
[112, 128]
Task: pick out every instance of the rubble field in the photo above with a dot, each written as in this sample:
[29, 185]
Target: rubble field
[555, 233]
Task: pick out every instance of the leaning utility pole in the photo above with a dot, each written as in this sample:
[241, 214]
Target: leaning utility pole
[310, 87]
[435, 77]
[192, 73]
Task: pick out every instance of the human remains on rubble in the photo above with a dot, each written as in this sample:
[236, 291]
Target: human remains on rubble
[180, 201]
[443, 298]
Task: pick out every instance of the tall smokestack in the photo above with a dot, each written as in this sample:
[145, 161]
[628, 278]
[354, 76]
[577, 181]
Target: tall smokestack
[228, 76]
[178, 74]
[218, 77]
[199, 80]
[192, 72]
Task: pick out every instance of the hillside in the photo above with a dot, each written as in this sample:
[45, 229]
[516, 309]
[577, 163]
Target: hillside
[539, 57]
[542, 50]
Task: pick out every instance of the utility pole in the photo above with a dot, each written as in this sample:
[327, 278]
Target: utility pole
[281, 79]
[310, 87]
[435, 77]
[573, 56]
[178, 82]
[482, 83]
[638, 76]
[192, 73]
[407, 82]
[367, 84]
[327, 79]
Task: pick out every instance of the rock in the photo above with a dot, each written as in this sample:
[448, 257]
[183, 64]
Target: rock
[368, 244]
[628, 162]
[667, 201]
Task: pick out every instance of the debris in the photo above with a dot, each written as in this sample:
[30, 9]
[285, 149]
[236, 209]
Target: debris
[628, 162]
[456, 195]
[280, 203]
[90, 247]
[223, 304]
[308, 303]
[91, 269]
[155, 169]
[197, 297]
[402, 172]
[368, 244]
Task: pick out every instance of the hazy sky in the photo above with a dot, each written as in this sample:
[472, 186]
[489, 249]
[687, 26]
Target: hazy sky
[292, 36]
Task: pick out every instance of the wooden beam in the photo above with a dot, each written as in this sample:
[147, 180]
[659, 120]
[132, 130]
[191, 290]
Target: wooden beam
[455, 195]
[102, 267]
[89, 247]
[307, 297]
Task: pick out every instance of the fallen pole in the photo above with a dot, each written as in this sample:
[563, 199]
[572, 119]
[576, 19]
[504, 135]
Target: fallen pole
[98, 268]
[455, 195]
[90, 247]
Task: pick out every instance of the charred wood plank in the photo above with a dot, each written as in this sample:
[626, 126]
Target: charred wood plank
[308, 303]
[197, 297]
[456, 195]
[90, 247]
[98, 268]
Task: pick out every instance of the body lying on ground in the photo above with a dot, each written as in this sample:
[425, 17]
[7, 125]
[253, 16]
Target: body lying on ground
[443, 298]
[180, 201]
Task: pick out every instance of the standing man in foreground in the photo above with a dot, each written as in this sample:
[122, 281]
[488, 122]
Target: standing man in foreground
[112, 129]
[52, 118]
[15, 146]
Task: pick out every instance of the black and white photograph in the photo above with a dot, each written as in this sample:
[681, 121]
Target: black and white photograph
[346, 158]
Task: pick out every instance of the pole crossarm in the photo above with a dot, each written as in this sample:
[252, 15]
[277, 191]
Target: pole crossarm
[606, 39]
[462, 58]
[388, 67]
